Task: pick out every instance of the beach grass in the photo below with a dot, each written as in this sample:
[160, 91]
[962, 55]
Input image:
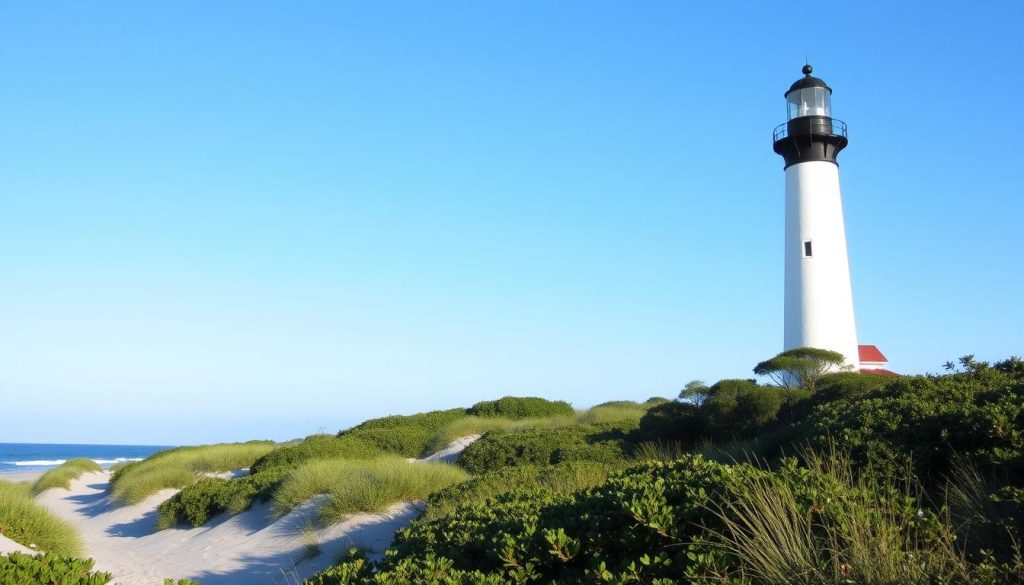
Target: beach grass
[177, 468]
[27, 523]
[476, 425]
[62, 476]
[608, 413]
[615, 412]
[362, 486]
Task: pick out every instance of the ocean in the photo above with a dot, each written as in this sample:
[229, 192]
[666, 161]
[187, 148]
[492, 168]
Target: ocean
[41, 456]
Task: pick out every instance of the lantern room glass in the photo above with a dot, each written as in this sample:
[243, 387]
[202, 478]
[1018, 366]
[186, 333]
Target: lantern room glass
[809, 101]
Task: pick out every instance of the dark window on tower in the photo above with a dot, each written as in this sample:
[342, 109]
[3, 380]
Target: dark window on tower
[807, 249]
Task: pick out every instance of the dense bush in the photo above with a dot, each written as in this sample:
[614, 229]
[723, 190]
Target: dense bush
[198, 502]
[848, 385]
[928, 421]
[22, 569]
[355, 569]
[563, 478]
[672, 421]
[732, 409]
[195, 504]
[525, 407]
[601, 443]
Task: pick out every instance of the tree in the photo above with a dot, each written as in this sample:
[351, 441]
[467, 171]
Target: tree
[802, 367]
[695, 392]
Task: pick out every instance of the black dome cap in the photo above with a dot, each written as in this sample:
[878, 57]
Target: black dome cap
[808, 81]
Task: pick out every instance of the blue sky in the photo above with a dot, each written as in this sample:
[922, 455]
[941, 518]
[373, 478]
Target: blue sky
[237, 220]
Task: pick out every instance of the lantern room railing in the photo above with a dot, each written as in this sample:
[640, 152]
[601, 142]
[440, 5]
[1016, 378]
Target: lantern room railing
[810, 125]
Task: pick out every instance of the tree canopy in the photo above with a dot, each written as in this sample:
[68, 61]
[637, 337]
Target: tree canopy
[801, 367]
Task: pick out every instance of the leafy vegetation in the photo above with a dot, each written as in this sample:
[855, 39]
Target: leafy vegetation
[22, 569]
[562, 478]
[30, 524]
[924, 489]
[200, 501]
[519, 408]
[928, 422]
[61, 477]
[603, 443]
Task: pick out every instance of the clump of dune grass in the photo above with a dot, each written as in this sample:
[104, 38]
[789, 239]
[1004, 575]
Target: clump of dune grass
[615, 412]
[27, 523]
[62, 476]
[478, 425]
[354, 486]
[866, 532]
[177, 468]
[659, 451]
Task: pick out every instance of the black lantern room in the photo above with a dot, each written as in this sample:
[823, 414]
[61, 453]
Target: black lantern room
[810, 132]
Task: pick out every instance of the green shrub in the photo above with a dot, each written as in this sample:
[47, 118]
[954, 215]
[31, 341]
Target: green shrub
[355, 569]
[30, 524]
[563, 478]
[176, 468]
[362, 486]
[21, 569]
[196, 503]
[927, 421]
[740, 409]
[671, 422]
[848, 385]
[648, 511]
[62, 476]
[599, 443]
[200, 501]
[517, 408]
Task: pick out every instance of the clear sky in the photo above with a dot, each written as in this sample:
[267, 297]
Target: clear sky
[238, 220]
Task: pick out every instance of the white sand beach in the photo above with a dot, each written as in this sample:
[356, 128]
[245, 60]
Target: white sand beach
[249, 548]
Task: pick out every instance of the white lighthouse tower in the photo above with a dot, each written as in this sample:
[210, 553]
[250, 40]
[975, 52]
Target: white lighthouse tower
[819, 297]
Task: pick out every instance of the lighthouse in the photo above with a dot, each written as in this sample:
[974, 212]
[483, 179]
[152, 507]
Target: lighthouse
[818, 294]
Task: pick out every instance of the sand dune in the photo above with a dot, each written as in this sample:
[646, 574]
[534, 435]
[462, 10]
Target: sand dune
[249, 548]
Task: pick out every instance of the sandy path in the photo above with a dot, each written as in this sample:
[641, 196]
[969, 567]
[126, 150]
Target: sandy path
[230, 550]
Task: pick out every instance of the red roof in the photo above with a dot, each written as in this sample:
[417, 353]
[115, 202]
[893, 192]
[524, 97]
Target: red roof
[879, 371]
[870, 353]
